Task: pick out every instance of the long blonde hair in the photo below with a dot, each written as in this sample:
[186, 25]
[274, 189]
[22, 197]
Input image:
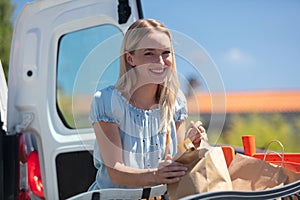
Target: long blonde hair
[167, 92]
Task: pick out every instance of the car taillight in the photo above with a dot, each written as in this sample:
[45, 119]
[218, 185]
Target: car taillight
[34, 174]
[24, 195]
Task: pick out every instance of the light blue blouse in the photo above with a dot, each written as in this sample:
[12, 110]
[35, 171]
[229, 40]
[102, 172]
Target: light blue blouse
[143, 145]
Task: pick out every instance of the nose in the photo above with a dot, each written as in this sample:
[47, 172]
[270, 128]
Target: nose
[160, 60]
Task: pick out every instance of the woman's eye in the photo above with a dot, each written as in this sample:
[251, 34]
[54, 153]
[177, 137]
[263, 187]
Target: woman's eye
[166, 52]
[148, 54]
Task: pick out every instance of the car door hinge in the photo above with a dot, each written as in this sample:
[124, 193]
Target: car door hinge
[27, 118]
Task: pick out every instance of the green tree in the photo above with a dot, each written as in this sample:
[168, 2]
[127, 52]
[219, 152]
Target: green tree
[6, 30]
[265, 127]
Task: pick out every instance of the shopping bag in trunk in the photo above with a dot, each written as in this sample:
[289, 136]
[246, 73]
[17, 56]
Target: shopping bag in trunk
[292, 176]
[207, 171]
[251, 174]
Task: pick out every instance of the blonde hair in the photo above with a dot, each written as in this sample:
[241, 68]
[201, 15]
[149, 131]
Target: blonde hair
[167, 92]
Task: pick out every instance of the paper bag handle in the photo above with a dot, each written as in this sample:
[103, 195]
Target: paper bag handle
[280, 155]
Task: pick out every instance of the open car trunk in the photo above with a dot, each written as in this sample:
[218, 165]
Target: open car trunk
[62, 51]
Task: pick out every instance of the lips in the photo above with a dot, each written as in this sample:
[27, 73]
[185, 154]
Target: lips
[158, 70]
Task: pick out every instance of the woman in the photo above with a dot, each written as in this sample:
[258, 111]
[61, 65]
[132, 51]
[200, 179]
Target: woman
[139, 121]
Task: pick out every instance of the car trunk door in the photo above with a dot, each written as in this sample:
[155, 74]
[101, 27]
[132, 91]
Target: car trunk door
[62, 51]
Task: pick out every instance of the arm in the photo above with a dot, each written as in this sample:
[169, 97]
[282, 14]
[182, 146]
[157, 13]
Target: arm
[180, 131]
[110, 146]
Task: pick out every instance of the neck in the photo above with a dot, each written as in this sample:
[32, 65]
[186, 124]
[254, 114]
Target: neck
[144, 97]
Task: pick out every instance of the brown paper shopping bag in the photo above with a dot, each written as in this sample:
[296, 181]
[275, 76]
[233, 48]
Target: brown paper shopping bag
[292, 176]
[207, 171]
[251, 174]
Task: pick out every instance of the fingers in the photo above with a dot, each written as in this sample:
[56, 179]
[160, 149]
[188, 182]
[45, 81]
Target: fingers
[196, 133]
[171, 173]
[195, 130]
[168, 157]
[166, 162]
[203, 135]
[192, 123]
[199, 127]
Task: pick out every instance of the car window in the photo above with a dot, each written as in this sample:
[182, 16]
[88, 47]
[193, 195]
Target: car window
[87, 60]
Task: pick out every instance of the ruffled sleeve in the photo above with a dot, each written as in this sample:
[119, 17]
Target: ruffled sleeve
[101, 107]
[181, 111]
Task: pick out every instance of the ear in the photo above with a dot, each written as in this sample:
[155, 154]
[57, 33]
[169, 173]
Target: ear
[129, 59]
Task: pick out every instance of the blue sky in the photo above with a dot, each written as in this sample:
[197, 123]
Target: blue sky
[253, 43]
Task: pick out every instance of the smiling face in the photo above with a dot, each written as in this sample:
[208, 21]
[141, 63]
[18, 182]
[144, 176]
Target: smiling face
[152, 59]
[147, 57]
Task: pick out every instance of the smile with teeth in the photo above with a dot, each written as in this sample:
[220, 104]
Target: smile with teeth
[158, 71]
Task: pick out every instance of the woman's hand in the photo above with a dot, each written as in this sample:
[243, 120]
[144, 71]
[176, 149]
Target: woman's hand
[196, 133]
[169, 171]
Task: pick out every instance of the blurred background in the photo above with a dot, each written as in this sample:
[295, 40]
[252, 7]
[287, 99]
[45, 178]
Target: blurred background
[255, 47]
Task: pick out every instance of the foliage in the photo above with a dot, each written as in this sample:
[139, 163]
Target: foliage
[284, 127]
[265, 127]
[6, 30]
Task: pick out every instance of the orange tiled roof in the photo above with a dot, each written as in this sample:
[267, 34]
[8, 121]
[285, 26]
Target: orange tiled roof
[244, 102]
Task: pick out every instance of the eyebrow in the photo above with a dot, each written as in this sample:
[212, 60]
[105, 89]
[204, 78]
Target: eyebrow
[149, 49]
[153, 49]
